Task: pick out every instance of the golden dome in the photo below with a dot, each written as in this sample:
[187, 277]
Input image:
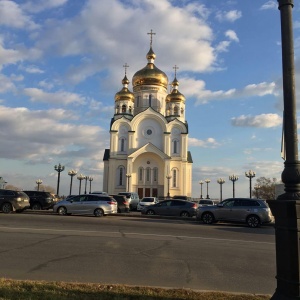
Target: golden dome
[124, 94]
[175, 95]
[150, 75]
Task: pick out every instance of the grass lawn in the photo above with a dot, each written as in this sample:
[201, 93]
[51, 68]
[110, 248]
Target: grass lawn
[41, 290]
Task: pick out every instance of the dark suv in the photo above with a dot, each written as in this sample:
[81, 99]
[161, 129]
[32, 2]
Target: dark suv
[40, 200]
[13, 201]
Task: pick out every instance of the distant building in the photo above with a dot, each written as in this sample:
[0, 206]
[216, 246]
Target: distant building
[148, 137]
[2, 183]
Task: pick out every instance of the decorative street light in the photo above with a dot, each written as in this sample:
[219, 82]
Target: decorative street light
[128, 181]
[250, 174]
[257, 187]
[58, 168]
[80, 177]
[168, 177]
[233, 178]
[90, 180]
[39, 182]
[72, 173]
[221, 181]
[207, 182]
[86, 179]
[201, 183]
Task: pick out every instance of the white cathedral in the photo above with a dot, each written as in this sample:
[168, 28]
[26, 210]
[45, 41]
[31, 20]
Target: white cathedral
[148, 137]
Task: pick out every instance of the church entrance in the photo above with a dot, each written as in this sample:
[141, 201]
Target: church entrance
[147, 192]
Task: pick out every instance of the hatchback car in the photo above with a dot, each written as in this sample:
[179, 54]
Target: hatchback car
[40, 200]
[206, 202]
[97, 205]
[123, 204]
[133, 199]
[146, 201]
[13, 201]
[253, 212]
[172, 208]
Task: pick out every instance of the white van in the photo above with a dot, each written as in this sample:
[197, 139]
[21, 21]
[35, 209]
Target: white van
[133, 199]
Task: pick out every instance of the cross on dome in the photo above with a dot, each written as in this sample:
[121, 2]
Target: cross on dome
[175, 68]
[125, 66]
[151, 33]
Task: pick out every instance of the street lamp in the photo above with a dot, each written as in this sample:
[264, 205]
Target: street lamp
[58, 168]
[128, 180]
[168, 177]
[90, 180]
[86, 179]
[80, 177]
[201, 183]
[207, 182]
[221, 181]
[250, 174]
[233, 178]
[72, 173]
[39, 182]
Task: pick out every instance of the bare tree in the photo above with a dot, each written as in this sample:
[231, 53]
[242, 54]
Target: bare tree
[12, 187]
[265, 188]
[46, 188]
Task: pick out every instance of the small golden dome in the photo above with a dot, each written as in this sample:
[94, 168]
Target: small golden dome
[175, 95]
[124, 94]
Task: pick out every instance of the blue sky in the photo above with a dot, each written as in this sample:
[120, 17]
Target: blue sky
[61, 63]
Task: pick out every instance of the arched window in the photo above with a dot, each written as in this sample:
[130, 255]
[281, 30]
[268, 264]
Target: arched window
[150, 100]
[155, 174]
[176, 110]
[148, 174]
[122, 145]
[141, 173]
[175, 146]
[174, 178]
[123, 108]
[120, 179]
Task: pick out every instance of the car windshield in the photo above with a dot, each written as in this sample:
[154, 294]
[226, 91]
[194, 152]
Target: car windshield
[147, 200]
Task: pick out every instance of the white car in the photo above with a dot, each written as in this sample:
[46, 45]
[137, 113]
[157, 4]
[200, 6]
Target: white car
[98, 205]
[146, 201]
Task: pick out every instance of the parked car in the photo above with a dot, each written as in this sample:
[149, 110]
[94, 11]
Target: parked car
[146, 201]
[172, 208]
[123, 204]
[182, 197]
[253, 212]
[206, 202]
[98, 205]
[40, 200]
[99, 192]
[13, 201]
[133, 199]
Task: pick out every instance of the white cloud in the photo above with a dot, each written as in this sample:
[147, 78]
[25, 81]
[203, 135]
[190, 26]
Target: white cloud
[35, 6]
[269, 5]
[208, 143]
[262, 121]
[229, 16]
[32, 69]
[232, 35]
[11, 15]
[60, 97]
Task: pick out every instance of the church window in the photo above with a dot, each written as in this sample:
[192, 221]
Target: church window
[155, 173]
[122, 145]
[148, 174]
[123, 108]
[150, 100]
[121, 176]
[175, 147]
[141, 174]
[176, 110]
[130, 110]
[118, 109]
[181, 111]
[174, 178]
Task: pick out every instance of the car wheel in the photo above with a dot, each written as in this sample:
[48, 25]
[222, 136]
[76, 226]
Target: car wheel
[150, 212]
[62, 211]
[98, 212]
[7, 208]
[253, 221]
[207, 218]
[185, 214]
[36, 206]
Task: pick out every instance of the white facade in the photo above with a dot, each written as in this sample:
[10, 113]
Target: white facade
[148, 138]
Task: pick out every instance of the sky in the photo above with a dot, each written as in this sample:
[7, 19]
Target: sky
[61, 63]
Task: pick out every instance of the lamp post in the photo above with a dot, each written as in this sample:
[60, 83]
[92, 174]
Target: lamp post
[168, 177]
[58, 168]
[286, 207]
[233, 178]
[80, 177]
[207, 182]
[201, 183]
[39, 182]
[72, 173]
[221, 181]
[128, 181]
[250, 174]
[86, 179]
[90, 180]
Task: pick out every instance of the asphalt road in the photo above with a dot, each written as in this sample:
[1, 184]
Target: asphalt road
[137, 251]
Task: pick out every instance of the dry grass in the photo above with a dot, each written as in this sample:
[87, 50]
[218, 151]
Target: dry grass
[40, 290]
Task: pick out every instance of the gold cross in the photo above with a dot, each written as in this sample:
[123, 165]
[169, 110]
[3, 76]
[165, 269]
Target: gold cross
[125, 66]
[175, 68]
[151, 33]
